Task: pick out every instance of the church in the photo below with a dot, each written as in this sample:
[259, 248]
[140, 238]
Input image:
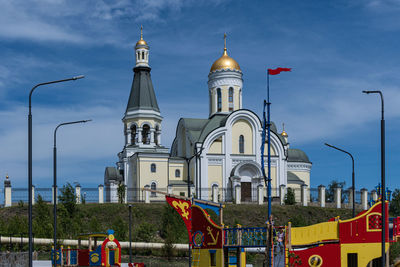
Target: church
[209, 157]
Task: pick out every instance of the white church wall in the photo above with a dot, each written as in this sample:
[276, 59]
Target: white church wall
[242, 127]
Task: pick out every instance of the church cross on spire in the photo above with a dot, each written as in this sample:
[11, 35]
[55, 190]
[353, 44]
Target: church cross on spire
[225, 53]
[141, 32]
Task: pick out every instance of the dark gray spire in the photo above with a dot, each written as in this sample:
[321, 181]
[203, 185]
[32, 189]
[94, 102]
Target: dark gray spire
[142, 92]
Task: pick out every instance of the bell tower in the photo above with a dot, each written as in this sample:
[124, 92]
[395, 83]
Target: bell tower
[142, 118]
[225, 84]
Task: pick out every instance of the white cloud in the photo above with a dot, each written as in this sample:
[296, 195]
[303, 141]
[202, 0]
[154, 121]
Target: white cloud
[92, 143]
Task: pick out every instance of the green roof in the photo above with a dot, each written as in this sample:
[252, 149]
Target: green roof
[142, 94]
[293, 178]
[297, 155]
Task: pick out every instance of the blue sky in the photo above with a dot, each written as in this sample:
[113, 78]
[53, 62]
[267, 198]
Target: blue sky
[336, 49]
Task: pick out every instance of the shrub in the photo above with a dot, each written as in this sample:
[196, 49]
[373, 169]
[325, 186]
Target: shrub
[394, 207]
[121, 192]
[121, 228]
[290, 198]
[145, 232]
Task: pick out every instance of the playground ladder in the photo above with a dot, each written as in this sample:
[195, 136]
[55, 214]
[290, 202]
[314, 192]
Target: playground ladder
[196, 257]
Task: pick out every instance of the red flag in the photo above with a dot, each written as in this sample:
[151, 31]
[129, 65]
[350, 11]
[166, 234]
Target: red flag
[184, 208]
[278, 70]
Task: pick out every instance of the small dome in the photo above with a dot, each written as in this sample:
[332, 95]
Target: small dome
[284, 134]
[141, 42]
[225, 62]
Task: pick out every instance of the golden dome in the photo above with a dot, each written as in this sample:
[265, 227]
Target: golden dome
[141, 41]
[284, 134]
[225, 62]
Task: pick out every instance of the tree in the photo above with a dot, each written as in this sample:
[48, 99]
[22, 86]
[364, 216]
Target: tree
[330, 191]
[394, 207]
[290, 198]
[121, 192]
[68, 199]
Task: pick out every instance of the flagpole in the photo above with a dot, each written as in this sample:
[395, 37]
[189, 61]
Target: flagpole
[269, 171]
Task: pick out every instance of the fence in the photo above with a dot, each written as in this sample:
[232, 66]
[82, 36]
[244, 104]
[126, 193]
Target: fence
[246, 193]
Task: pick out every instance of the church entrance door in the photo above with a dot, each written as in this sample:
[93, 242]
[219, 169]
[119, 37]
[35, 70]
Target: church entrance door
[245, 191]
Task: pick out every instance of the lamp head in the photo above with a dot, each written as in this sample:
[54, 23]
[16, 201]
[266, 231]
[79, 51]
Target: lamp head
[366, 92]
[78, 77]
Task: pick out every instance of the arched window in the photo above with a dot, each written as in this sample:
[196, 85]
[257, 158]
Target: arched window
[153, 186]
[241, 144]
[219, 100]
[230, 99]
[177, 173]
[133, 134]
[146, 134]
[153, 167]
[142, 55]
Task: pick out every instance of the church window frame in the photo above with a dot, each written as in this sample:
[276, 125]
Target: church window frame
[142, 55]
[241, 144]
[219, 100]
[153, 168]
[177, 173]
[153, 186]
[230, 98]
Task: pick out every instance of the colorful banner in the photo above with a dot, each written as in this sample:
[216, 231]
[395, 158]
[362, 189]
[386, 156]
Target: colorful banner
[207, 234]
[184, 208]
[208, 206]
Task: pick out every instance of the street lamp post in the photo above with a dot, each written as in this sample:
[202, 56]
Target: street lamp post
[383, 180]
[352, 177]
[30, 159]
[55, 181]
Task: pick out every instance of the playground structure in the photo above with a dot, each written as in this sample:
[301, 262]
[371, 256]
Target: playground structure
[338, 243]
[107, 253]
[352, 242]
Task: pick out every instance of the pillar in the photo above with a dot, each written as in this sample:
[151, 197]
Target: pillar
[139, 133]
[282, 193]
[52, 195]
[159, 138]
[374, 195]
[350, 192]
[260, 195]
[101, 194]
[304, 195]
[129, 137]
[321, 195]
[7, 193]
[33, 195]
[337, 196]
[152, 135]
[215, 193]
[146, 194]
[126, 195]
[364, 199]
[192, 188]
[238, 192]
[169, 189]
[78, 193]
